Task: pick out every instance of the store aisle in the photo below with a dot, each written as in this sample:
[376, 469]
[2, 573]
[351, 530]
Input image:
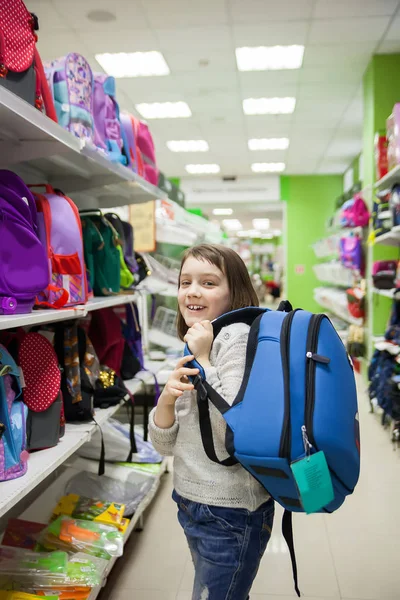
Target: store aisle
[353, 554]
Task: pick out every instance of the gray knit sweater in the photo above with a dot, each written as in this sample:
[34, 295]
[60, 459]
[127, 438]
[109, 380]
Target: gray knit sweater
[195, 476]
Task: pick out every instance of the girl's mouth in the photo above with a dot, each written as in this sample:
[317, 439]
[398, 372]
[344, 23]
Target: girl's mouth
[195, 307]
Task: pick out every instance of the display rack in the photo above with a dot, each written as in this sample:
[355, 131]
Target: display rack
[391, 238]
[389, 180]
[45, 151]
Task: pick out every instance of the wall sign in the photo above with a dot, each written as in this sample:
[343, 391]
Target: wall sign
[299, 269]
[143, 220]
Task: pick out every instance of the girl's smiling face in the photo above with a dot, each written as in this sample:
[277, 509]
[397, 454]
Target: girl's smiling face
[203, 291]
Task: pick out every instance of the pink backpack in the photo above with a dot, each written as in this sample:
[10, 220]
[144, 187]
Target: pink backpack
[130, 128]
[60, 231]
[145, 144]
[355, 213]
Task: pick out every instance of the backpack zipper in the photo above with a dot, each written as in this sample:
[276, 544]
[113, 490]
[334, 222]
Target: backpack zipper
[312, 360]
[286, 438]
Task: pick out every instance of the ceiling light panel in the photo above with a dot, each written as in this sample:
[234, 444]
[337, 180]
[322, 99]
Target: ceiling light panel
[222, 211]
[164, 110]
[250, 233]
[232, 224]
[269, 106]
[277, 167]
[133, 64]
[208, 169]
[188, 146]
[269, 58]
[261, 224]
[268, 144]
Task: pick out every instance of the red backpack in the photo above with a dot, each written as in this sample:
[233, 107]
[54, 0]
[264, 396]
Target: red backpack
[21, 68]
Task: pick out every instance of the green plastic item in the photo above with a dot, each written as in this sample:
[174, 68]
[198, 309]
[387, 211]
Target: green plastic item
[54, 562]
[127, 279]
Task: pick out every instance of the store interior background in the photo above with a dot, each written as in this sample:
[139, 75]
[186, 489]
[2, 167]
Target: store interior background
[344, 91]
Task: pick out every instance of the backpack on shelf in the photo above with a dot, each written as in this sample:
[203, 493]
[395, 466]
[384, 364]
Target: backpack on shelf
[130, 127]
[309, 404]
[127, 276]
[107, 127]
[80, 370]
[102, 256]
[384, 274]
[60, 231]
[351, 253]
[394, 204]
[13, 414]
[145, 144]
[21, 68]
[70, 80]
[42, 390]
[129, 252]
[382, 215]
[24, 271]
[355, 213]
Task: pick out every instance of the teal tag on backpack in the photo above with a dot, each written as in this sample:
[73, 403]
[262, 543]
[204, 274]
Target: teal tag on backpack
[313, 481]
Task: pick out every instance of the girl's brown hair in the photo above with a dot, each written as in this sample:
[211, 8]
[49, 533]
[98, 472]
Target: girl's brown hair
[229, 262]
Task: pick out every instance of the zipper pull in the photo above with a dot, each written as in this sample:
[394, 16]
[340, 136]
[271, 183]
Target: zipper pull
[318, 358]
[306, 441]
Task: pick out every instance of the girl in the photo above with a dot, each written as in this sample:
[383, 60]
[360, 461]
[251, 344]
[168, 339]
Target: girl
[226, 514]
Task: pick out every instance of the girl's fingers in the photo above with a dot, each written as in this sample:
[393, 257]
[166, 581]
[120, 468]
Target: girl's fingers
[175, 392]
[182, 361]
[187, 371]
[179, 385]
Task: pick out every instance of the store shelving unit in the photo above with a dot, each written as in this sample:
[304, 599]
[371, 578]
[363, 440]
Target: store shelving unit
[43, 152]
[391, 238]
[386, 293]
[389, 180]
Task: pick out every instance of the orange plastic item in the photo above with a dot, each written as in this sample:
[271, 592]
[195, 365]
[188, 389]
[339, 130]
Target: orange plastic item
[70, 532]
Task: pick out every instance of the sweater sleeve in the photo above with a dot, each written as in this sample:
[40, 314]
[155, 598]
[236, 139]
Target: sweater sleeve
[163, 440]
[228, 361]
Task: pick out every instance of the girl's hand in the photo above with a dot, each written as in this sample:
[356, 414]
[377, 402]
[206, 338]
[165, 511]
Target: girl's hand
[199, 339]
[178, 381]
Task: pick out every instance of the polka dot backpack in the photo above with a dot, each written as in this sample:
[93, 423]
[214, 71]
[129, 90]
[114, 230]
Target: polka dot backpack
[41, 390]
[21, 69]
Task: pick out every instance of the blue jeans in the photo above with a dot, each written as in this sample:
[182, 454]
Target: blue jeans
[226, 544]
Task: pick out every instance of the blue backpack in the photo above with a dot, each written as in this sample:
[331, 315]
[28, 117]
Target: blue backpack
[298, 395]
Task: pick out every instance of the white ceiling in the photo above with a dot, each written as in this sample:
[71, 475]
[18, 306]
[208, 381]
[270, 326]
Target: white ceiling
[325, 130]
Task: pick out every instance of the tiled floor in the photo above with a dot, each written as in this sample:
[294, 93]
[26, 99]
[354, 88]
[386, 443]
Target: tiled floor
[353, 554]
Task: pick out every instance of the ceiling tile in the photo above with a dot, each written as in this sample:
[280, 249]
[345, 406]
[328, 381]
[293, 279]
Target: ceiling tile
[393, 31]
[268, 125]
[330, 166]
[218, 60]
[188, 38]
[324, 55]
[354, 8]
[180, 14]
[49, 19]
[301, 166]
[269, 83]
[333, 73]
[60, 43]
[129, 16]
[271, 34]
[339, 31]
[270, 10]
[389, 47]
[140, 41]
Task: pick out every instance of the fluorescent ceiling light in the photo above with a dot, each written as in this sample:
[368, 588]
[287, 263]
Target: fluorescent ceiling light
[277, 167]
[269, 106]
[261, 223]
[268, 144]
[164, 110]
[203, 169]
[222, 211]
[133, 64]
[267, 236]
[188, 146]
[250, 233]
[267, 58]
[232, 224]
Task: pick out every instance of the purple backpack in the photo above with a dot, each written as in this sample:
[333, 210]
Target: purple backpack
[107, 126]
[351, 255]
[23, 263]
[129, 252]
[13, 414]
[71, 83]
[60, 230]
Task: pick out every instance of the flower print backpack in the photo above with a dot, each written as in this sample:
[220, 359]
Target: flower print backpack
[71, 83]
[13, 414]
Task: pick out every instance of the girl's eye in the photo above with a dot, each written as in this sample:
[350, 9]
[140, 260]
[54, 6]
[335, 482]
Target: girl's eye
[183, 283]
[209, 283]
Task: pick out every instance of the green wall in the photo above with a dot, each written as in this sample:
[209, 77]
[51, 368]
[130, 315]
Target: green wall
[310, 202]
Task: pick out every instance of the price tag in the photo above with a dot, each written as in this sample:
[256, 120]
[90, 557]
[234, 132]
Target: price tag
[313, 481]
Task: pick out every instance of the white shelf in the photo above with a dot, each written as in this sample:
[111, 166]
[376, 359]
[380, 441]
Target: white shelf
[348, 318]
[165, 340]
[29, 139]
[391, 238]
[40, 316]
[389, 180]
[386, 293]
